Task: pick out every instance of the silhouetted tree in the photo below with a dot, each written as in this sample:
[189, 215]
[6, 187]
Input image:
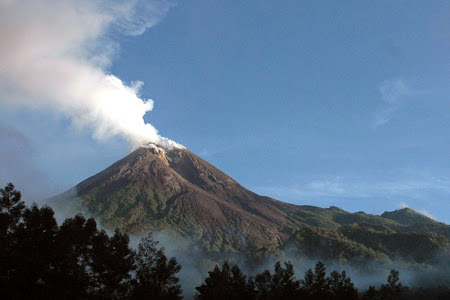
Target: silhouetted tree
[319, 287]
[226, 283]
[155, 274]
[341, 286]
[284, 285]
[393, 289]
[74, 245]
[33, 252]
[371, 293]
[263, 283]
[308, 282]
[11, 209]
[112, 262]
[240, 287]
[281, 285]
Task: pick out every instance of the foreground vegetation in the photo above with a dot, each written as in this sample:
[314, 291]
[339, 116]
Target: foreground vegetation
[39, 259]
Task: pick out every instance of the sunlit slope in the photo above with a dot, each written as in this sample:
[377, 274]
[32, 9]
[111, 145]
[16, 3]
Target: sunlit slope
[179, 193]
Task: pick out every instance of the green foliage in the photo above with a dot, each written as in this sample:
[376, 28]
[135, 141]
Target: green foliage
[226, 283]
[279, 285]
[394, 288]
[230, 283]
[341, 286]
[40, 259]
[319, 288]
[32, 257]
[76, 260]
[155, 274]
[361, 241]
[11, 207]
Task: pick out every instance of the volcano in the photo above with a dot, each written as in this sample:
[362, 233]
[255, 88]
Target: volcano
[175, 191]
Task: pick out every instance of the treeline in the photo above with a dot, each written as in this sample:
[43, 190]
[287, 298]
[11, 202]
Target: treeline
[40, 260]
[228, 282]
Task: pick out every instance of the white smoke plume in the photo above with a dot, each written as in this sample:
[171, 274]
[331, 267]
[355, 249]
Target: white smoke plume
[53, 56]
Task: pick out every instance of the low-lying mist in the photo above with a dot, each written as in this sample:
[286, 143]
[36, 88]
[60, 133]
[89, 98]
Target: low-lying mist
[196, 262]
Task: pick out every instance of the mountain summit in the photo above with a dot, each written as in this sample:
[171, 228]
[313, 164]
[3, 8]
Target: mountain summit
[175, 191]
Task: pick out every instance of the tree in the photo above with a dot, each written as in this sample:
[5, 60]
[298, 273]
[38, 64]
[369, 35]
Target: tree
[281, 285]
[11, 209]
[112, 262]
[226, 283]
[371, 293]
[284, 285]
[263, 283]
[308, 281]
[319, 288]
[73, 271]
[33, 256]
[240, 287]
[341, 286]
[155, 274]
[393, 289]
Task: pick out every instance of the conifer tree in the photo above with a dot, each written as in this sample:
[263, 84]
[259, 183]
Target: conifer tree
[33, 255]
[284, 285]
[155, 273]
[226, 283]
[11, 209]
[394, 288]
[371, 293]
[320, 286]
[341, 286]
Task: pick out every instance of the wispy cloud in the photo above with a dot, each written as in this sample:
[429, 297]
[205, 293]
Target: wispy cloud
[354, 188]
[426, 213]
[415, 188]
[402, 205]
[421, 211]
[395, 93]
[393, 90]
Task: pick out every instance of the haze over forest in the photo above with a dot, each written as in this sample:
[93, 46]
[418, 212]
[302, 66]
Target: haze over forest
[314, 103]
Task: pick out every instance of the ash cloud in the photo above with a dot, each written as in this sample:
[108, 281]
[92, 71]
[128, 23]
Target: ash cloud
[55, 56]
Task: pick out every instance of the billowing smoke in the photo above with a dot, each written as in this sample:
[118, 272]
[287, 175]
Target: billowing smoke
[53, 56]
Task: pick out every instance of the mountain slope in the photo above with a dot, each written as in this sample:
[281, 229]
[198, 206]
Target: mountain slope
[177, 192]
[156, 189]
[361, 242]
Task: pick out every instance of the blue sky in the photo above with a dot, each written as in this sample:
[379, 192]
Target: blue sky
[309, 102]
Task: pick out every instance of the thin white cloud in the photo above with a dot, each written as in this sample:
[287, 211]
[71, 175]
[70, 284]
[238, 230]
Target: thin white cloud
[418, 188]
[421, 211]
[394, 93]
[403, 205]
[426, 213]
[393, 90]
[336, 187]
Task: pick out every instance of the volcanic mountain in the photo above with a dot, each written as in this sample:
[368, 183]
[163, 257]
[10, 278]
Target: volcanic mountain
[175, 191]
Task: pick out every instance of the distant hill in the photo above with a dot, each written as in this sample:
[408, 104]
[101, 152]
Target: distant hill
[407, 216]
[362, 241]
[175, 191]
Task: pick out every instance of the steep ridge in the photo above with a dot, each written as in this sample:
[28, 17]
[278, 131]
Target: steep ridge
[175, 191]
